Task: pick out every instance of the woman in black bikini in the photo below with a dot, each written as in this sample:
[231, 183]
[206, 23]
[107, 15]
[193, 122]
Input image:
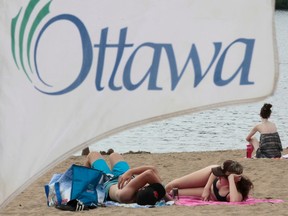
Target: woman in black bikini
[215, 183]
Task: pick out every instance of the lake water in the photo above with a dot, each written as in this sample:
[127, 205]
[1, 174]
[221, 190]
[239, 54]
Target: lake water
[217, 129]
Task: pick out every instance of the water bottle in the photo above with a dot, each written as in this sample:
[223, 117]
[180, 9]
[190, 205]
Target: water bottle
[249, 150]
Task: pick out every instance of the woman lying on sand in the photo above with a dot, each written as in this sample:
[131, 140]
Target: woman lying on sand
[140, 184]
[214, 183]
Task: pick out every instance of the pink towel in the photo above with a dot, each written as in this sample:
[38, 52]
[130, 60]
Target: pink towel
[196, 201]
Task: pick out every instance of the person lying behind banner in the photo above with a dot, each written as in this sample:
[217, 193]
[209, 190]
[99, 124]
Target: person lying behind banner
[270, 144]
[214, 183]
[128, 185]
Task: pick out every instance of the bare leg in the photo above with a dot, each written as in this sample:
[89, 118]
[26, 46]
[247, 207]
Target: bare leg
[255, 143]
[115, 158]
[197, 179]
[191, 192]
[91, 157]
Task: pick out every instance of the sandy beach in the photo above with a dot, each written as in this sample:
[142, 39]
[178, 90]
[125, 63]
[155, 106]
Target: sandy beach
[268, 176]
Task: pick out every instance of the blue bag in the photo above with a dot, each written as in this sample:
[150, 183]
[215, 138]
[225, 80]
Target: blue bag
[87, 185]
[78, 182]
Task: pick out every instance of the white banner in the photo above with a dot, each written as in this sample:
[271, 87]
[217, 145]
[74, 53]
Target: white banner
[74, 72]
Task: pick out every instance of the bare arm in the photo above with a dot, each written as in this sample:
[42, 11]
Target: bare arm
[128, 188]
[207, 188]
[251, 134]
[234, 194]
[140, 169]
[127, 176]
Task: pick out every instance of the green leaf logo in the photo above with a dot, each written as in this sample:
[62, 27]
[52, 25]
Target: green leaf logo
[23, 37]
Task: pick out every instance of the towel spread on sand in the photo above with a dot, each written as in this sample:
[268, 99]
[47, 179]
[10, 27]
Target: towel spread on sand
[135, 205]
[195, 201]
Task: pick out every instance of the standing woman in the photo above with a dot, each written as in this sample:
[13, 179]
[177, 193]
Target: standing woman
[270, 144]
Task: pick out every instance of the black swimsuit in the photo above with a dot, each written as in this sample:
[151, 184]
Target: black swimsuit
[216, 192]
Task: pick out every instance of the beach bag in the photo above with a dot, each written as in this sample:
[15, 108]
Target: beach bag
[77, 183]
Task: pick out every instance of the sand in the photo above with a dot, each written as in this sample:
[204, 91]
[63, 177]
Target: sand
[268, 176]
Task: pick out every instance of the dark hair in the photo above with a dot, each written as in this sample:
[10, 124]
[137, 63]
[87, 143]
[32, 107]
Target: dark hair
[230, 166]
[244, 186]
[150, 194]
[266, 111]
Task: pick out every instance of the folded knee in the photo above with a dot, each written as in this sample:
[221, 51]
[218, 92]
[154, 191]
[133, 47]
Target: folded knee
[92, 156]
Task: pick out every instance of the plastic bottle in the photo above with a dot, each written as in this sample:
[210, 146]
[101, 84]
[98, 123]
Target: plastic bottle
[249, 150]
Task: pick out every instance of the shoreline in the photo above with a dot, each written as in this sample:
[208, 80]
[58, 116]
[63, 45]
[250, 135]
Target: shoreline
[266, 174]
